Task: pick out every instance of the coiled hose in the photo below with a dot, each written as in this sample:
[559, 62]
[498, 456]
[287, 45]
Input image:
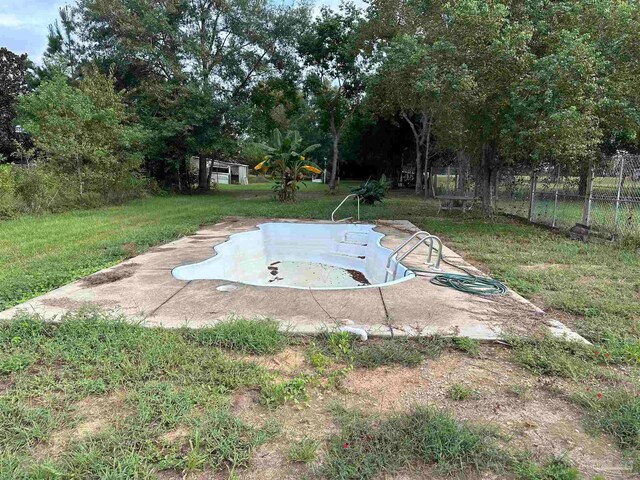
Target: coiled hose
[468, 283]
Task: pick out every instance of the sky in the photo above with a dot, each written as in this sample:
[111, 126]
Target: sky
[24, 24]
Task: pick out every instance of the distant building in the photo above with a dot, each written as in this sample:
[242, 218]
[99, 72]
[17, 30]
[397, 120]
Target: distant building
[226, 173]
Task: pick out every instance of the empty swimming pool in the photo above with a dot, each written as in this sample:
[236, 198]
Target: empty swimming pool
[300, 255]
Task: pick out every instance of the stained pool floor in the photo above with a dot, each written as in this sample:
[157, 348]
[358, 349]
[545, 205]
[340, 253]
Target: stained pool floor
[310, 275]
[144, 289]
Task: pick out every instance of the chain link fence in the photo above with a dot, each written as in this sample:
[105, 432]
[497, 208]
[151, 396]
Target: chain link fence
[605, 198]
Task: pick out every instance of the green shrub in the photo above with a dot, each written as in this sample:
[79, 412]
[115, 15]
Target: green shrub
[8, 199]
[372, 191]
[41, 190]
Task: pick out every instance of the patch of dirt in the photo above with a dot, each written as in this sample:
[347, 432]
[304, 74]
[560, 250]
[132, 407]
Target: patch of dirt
[290, 361]
[203, 475]
[176, 435]
[269, 461]
[5, 386]
[96, 414]
[110, 276]
[541, 266]
[273, 270]
[243, 401]
[542, 422]
[358, 276]
[71, 304]
[587, 279]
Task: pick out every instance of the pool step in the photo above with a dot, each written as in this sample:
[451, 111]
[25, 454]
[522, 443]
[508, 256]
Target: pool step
[356, 238]
[351, 249]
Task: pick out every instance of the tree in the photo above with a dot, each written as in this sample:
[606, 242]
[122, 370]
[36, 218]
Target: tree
[334, 71]
[286, 160]
[416, 79]
[187, 64]
[84, 132]
[12, 85]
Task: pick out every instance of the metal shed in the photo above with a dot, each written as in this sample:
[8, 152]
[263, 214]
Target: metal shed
[227, 172]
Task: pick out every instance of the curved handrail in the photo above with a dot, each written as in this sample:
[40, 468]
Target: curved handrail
[425, 237]
[341, 203]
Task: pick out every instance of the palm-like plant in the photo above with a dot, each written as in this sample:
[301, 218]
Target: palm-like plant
[285, 160]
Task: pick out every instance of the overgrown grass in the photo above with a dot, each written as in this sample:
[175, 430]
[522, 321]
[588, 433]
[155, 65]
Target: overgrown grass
[260, 337]
[369, 445]
[408, 352]
[616, 412]
[138, 389]
[388, 352]
[549, 355]
[594, 287]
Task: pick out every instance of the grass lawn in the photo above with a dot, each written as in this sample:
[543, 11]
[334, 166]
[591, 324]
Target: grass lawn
[97, 398]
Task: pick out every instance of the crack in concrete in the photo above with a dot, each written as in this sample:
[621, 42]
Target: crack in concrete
[167, 300]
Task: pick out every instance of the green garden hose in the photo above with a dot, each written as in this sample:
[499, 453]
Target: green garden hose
[470, 284]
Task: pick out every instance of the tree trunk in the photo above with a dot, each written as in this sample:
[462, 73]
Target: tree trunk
[428, 182]
[202, 174]
[336, 141]
[462, 161]
[583, 179]
[185, 184]
[417, 137]
[209, 174]
[487, 176]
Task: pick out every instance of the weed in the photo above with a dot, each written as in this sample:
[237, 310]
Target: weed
[295, 390]
[339, 343]
[386, 352]
[554, 469]
[431, 346]
[317, 359]
[553, 356]
[467, 345]
[616, 412]
[304, 451]
[170, 382]
[522, 391]
[261, 337]
[459, 392]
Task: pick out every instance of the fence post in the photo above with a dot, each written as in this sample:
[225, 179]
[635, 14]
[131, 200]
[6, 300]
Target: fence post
[555, 201]
[532, 195]
[586, 211]
[620, 179]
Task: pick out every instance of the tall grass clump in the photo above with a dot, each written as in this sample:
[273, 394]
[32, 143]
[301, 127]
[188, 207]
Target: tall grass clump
[260, 337]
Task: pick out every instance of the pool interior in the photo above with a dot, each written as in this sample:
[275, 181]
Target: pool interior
[300, 255]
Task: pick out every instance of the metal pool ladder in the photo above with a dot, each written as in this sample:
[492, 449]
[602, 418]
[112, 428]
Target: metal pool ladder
[421, 237]
[341, 203]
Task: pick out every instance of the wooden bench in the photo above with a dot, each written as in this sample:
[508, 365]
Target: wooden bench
[456, 202]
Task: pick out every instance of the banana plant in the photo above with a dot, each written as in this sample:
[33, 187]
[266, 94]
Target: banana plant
[286, 161]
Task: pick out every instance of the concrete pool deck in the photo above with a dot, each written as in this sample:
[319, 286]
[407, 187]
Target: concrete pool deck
[144, 289]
